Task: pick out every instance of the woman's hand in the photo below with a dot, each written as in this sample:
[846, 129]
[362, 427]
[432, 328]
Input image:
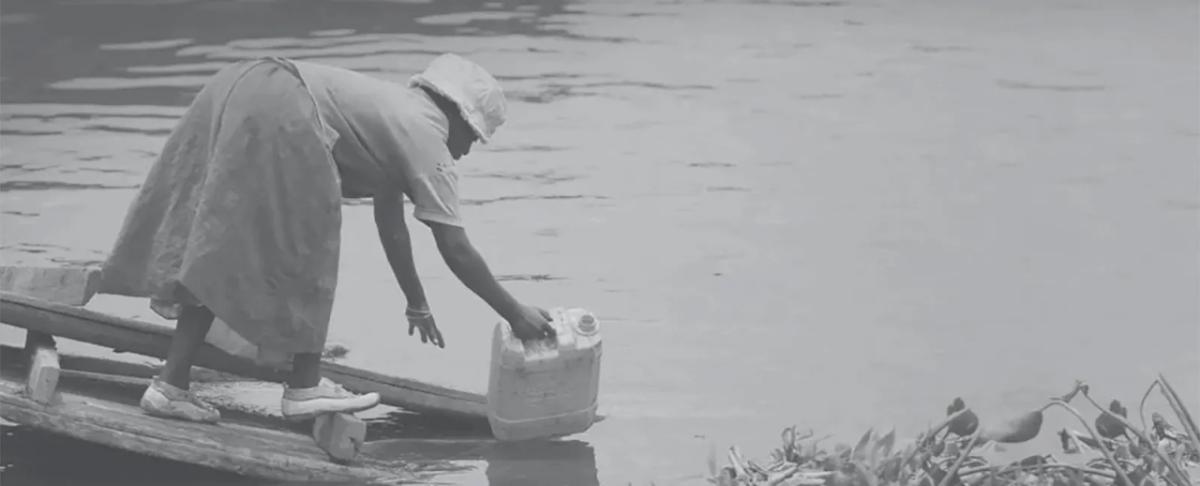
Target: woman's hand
[531, 324]
[421, 318]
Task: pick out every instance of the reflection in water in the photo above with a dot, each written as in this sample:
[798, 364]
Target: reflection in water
[525, 463]
[541, 462]
[402, 424]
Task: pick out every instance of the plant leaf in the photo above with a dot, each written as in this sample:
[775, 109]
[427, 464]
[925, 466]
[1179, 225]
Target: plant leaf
[1019, 429]
[860, 449]
[955, 406]
[883, 447]
[865, 476]
[965, 424]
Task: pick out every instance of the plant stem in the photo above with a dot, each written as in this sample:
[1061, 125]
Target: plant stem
[1180, 411]
[961, 457]
[929, 436]
[735, 459]
[1095, 472]
[1181, 476]
[1104, 450]
[1079, 386]
[1142, 406]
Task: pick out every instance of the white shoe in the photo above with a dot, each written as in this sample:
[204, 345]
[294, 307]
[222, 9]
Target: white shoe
[326, 397]
[164, 400]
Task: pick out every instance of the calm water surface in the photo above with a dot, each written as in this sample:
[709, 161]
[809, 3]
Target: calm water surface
[839, 215]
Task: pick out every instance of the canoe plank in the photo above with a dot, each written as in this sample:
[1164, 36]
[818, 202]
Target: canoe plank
[63, 285]
[233, 447]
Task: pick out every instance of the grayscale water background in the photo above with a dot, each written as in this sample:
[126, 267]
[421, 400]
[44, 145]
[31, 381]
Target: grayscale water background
[837, 215]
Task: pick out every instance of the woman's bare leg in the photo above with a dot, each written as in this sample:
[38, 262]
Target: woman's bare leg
[306, 370]
[194, 323]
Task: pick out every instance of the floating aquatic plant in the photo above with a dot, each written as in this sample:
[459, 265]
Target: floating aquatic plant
[334, 352]
[1122, 453]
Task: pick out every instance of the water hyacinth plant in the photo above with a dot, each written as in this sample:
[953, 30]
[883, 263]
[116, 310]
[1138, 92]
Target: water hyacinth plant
[1120, 453]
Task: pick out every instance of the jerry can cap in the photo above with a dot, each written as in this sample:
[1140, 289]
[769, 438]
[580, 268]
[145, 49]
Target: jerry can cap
[587, 323]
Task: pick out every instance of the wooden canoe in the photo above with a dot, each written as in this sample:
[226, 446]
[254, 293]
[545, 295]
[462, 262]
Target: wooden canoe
[96, 400]
[153, 340]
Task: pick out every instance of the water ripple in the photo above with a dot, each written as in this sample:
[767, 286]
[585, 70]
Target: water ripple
[482, 202]
[1062, 88]
[8, 186]
[146, 45]
[538, 277]
[545, 177]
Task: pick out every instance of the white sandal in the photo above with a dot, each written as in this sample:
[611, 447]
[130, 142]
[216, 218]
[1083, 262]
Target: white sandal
[326, 397]
[162, 399]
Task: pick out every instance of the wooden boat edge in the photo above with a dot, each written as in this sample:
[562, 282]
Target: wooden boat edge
[153, 340]
[69, 413]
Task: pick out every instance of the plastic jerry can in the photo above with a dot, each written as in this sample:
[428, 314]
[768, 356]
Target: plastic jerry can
[546, 388]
